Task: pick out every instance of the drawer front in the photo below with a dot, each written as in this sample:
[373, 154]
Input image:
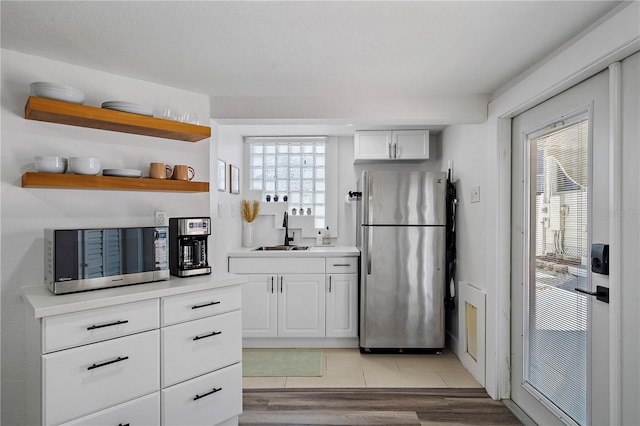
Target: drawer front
[201, 346]
[342, 265]
[143, 411]
[81, 328]
[276, 265]
[207, 400]
[83, 380]
[200, 304]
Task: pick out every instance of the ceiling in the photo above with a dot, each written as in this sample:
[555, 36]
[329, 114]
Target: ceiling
[307, 62]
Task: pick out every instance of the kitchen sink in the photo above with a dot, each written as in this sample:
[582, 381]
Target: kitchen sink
[281, 248]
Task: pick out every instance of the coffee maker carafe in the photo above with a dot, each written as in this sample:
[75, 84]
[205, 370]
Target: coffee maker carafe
[188, 246]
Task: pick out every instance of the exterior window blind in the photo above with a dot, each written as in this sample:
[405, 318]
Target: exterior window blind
[291, 166]
[557, 316]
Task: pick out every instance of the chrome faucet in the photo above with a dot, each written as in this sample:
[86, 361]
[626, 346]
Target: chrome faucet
[285, 223]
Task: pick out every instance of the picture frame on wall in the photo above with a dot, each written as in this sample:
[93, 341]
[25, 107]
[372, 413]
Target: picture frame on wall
[222, 176]
[234, 179]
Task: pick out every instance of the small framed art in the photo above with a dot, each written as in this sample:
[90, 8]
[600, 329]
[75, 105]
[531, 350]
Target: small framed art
[234, 179]
[222, 176]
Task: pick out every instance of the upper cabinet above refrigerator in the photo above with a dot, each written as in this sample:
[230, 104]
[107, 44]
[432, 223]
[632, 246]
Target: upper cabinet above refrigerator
[391, 145]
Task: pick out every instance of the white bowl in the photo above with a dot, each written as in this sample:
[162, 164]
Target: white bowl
[57, 92]
[84, 165]
[50, 164]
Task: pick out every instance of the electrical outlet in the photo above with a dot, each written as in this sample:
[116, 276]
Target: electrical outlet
[160, 218]
[475, 194]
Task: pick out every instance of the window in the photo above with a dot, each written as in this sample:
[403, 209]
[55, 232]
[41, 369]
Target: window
[291, 166]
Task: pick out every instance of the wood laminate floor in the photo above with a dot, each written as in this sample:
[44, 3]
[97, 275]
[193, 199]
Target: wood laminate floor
[357, 406]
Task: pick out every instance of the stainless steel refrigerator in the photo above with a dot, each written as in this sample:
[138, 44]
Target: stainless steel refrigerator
[401, 234]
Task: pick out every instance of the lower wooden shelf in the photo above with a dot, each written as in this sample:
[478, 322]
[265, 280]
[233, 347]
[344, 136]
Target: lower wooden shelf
[71, 181]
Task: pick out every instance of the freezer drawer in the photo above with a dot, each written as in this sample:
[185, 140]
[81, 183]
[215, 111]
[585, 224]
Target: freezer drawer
[402, 287]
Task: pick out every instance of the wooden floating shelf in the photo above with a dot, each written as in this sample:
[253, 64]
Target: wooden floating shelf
[71, 181]
[53, 111]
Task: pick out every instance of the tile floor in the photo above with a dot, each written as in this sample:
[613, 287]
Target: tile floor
[348, 368]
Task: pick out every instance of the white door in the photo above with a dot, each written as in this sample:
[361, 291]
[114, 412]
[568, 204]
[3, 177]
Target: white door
[560, 181]
[301, 305]
[411, 144]
[342, 305]
[259, 306]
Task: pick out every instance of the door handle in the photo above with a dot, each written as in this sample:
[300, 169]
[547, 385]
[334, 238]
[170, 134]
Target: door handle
[390, 150]
[271, 284]
[280, 284]
[329, 283]
[395, 150]
[601, 293]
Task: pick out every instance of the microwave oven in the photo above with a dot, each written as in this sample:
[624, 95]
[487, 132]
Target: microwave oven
[88, 259]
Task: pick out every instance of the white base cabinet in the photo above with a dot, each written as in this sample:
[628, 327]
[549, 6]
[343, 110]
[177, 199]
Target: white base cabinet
[172, 360]
[281, 302]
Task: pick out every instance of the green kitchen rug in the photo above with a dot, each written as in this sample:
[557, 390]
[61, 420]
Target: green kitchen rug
[282, 362]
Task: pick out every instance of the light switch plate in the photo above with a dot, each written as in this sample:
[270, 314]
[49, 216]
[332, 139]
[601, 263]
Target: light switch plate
[475, 194]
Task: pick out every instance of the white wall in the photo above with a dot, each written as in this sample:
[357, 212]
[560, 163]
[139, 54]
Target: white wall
[27, 211]
[465, 146]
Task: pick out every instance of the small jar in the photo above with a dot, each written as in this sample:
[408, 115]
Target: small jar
[285, 198]
[309, 211]
[301, 211]
[294, 211]
[275, 198]
[268, 198]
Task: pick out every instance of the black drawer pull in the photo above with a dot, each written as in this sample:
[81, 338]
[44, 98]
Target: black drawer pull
[120, 424]
[93, 327]
[197, 397]
[215, 333]
[120, 358]
[205, 305]
[341, 264]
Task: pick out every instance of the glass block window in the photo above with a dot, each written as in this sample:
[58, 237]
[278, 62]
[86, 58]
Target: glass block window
[294, 167]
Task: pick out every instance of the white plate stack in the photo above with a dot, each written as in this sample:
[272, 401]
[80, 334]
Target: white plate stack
[122, 172]
[55, 91]
[128, 107]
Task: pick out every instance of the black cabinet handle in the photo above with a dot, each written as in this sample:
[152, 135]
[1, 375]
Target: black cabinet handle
[197, 397]
[329, 283]
[280, 284]
[215, 333]
[113, 361]
[205, 305]
[93, 327]
[120, 424]
[272, 284]
[341, 264]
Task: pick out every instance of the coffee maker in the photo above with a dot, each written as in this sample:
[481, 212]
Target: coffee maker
[188, 246]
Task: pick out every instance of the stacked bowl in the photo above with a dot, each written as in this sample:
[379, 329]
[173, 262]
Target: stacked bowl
[50, 164]
[85, 165]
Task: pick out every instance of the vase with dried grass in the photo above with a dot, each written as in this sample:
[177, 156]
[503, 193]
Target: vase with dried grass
[250, 210]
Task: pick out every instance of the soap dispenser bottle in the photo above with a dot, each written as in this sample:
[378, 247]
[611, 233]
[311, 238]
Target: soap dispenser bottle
[326, 239]
[319, 239]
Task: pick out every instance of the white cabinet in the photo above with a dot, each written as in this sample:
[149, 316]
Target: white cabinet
[260, 306]
[342, 297]
[279, 301]
[301, 305]
[153, 361]
[377, 145]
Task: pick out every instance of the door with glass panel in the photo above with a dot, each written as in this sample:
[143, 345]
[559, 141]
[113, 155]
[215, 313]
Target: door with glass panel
[559, 339]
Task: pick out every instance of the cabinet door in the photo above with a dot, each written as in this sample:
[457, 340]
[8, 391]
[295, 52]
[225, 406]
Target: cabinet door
[301, 305]
[342, 305]
[411, 144]
[259, 306]
[372, 145]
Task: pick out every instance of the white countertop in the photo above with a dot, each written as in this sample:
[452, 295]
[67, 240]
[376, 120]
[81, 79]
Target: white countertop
[314, 251]
[44, 303]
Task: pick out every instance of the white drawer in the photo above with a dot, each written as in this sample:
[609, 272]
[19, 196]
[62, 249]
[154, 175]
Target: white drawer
[143, 411]
[83, 380]
[276, 265]
[342, 265]
[200, 304]
[81, 328]
[201, 346]
[207, 400]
